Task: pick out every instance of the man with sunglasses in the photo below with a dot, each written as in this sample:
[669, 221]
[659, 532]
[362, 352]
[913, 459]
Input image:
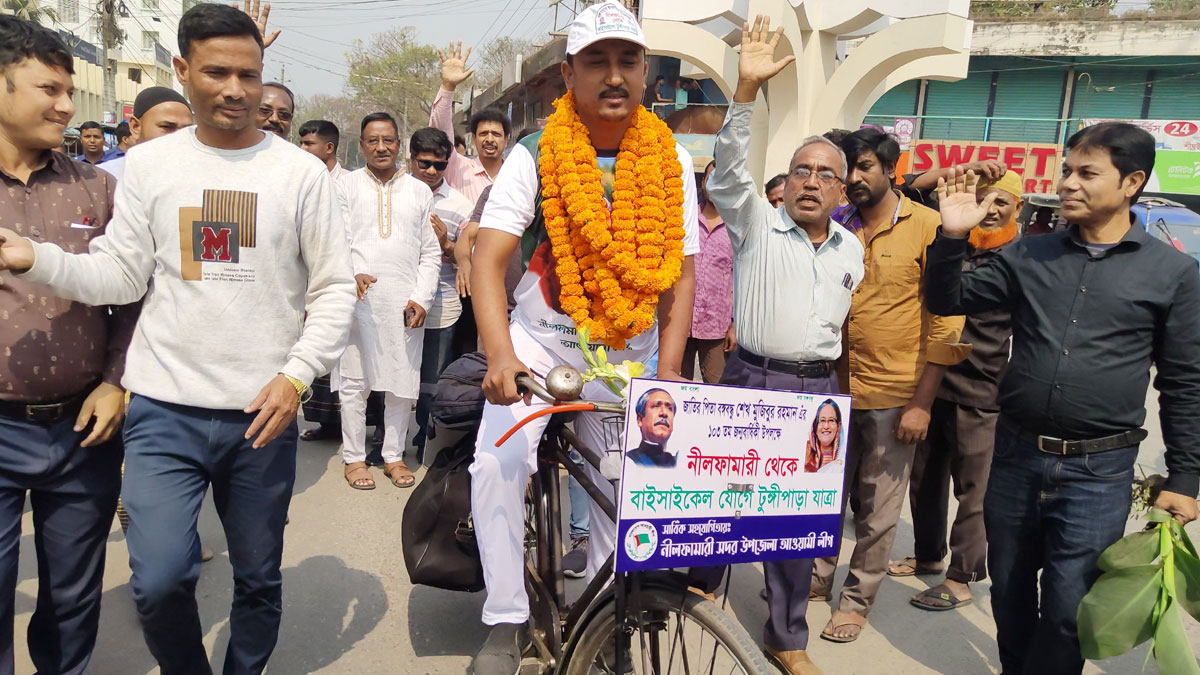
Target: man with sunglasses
[788, 330]
[429, 152]
[276, 110]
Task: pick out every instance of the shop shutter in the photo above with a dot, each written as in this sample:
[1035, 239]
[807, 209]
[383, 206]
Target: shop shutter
[1031, 94]
[1109, 93]
[899, 101]
[946, 103]
[1176, 95]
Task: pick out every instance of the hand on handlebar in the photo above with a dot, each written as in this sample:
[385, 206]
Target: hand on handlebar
[500, 383]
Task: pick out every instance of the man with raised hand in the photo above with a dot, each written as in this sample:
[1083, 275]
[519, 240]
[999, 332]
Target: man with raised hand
[490, 129]
[605, 76]
[1093, 308]
[789, 329]
[235, 242]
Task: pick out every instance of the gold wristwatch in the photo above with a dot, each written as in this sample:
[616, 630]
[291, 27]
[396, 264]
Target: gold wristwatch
[302, 390]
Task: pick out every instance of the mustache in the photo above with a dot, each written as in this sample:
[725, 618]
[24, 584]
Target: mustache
[662, 422]
[615, 90]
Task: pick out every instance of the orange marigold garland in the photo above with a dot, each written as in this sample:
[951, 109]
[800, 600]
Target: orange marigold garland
[612, 266]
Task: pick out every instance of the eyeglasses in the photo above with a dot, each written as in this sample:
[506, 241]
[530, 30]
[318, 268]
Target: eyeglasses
[426, 163]
[283, 115]
[374, 141]
[827, 177]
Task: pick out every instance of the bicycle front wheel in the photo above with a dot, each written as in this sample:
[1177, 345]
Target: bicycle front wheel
[665, 631]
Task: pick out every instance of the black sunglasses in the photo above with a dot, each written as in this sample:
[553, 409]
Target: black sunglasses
[426, 163]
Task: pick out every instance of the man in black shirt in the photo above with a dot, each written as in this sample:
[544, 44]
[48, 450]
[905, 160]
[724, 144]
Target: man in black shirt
[1093, 308]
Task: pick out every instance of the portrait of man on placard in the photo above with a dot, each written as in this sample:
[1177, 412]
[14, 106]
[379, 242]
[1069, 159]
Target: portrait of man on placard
[656, 420]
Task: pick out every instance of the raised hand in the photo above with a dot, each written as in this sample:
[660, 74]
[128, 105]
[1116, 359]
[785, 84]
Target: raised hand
[961, 210]
[16, 253]
[757, 63]
[260, 19]
[454, 65]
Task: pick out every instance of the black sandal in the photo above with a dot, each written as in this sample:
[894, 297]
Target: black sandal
[928, 598]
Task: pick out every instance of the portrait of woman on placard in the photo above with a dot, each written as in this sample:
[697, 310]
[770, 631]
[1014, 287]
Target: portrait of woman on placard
[824, 451]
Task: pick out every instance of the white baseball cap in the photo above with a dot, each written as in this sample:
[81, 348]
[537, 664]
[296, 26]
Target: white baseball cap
[605, 21]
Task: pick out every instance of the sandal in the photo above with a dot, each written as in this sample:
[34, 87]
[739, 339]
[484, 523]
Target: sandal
[399, 474]
[846, 619]
[320, 434]
[938, 599]
[358, 476]
[911, 567]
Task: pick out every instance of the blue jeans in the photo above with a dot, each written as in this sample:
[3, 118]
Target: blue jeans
[73, 494]
[581, 514]
[435, 356]
[1056, 514]
[173, 454]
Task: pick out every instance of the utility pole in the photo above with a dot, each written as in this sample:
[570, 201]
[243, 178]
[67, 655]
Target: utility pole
[110, 39]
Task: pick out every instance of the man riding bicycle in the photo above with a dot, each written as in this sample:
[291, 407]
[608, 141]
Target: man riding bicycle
[603, 205]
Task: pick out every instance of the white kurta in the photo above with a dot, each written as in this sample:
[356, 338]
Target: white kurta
[381, 349]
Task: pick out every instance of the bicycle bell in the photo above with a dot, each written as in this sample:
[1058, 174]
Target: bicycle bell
[564, 383]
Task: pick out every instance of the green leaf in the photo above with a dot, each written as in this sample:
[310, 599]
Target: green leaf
[1172, 651]
[1182, 536]
[1115, 616]
[1159, 516]
[1134, 550]
[1187, 581]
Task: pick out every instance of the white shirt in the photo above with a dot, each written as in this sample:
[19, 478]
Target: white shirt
[510, 208]
[387, 225]
[789, 301]
[240, 244]
[116, 167]
[337, 171]
[455, 211]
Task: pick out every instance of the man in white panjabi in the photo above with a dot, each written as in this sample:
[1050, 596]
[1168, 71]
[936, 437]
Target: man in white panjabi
[396, 261]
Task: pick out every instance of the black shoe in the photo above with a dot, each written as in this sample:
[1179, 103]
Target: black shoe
[575, 561]
[501, 652]
[374, 457]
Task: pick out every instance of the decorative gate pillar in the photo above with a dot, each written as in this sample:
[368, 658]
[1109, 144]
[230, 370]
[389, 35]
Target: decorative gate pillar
[894, 41]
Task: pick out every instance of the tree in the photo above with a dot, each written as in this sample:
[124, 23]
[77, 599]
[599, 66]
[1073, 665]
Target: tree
[31, 10]
[1026, 8]
[395, 74]
[344, 112]
[498, 54]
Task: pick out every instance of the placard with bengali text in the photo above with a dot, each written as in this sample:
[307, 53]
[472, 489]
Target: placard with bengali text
[714, 475]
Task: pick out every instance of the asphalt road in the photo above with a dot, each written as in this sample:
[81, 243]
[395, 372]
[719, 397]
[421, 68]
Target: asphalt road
[349, 607]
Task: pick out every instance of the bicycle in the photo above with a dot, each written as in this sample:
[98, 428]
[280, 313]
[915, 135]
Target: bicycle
[663, 627]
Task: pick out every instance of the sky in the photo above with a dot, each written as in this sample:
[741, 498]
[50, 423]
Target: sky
[310, 52]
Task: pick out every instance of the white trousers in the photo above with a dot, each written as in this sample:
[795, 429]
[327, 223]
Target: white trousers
[499, 476]
[396, 414]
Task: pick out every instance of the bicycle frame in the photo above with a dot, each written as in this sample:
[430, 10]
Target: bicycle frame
[552, 623]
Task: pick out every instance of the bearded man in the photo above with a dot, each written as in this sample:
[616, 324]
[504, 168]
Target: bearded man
[645, 302]
[962, 429]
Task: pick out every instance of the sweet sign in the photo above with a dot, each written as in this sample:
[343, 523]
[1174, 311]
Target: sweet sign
[714, 475]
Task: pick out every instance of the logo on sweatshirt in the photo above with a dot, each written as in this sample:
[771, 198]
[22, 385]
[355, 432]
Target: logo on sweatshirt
[217, 232]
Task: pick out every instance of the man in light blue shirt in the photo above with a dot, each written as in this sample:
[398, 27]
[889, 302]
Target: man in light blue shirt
[794, 270]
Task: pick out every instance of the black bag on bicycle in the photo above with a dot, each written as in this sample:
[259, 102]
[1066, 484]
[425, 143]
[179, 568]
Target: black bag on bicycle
[436, 534]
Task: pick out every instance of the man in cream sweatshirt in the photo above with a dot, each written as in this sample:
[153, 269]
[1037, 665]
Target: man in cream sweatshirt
[231, 234]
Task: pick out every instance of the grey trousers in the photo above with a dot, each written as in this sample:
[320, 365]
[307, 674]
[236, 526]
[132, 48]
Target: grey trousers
[882, 464]
[787, 581]
[959, 446]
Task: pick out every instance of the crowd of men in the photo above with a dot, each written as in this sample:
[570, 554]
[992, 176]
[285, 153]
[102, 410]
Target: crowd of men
[167, 324]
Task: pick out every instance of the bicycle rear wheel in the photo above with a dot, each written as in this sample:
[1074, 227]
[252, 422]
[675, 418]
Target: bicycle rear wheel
[666, 632]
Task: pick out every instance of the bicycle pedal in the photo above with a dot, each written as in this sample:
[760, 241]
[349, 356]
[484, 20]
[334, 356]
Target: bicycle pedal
[530, 665]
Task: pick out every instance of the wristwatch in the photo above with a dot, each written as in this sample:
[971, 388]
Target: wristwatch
[302, 390]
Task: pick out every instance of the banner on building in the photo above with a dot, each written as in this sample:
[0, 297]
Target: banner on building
[714, 475]
[1168, 134]
[1037, 163]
